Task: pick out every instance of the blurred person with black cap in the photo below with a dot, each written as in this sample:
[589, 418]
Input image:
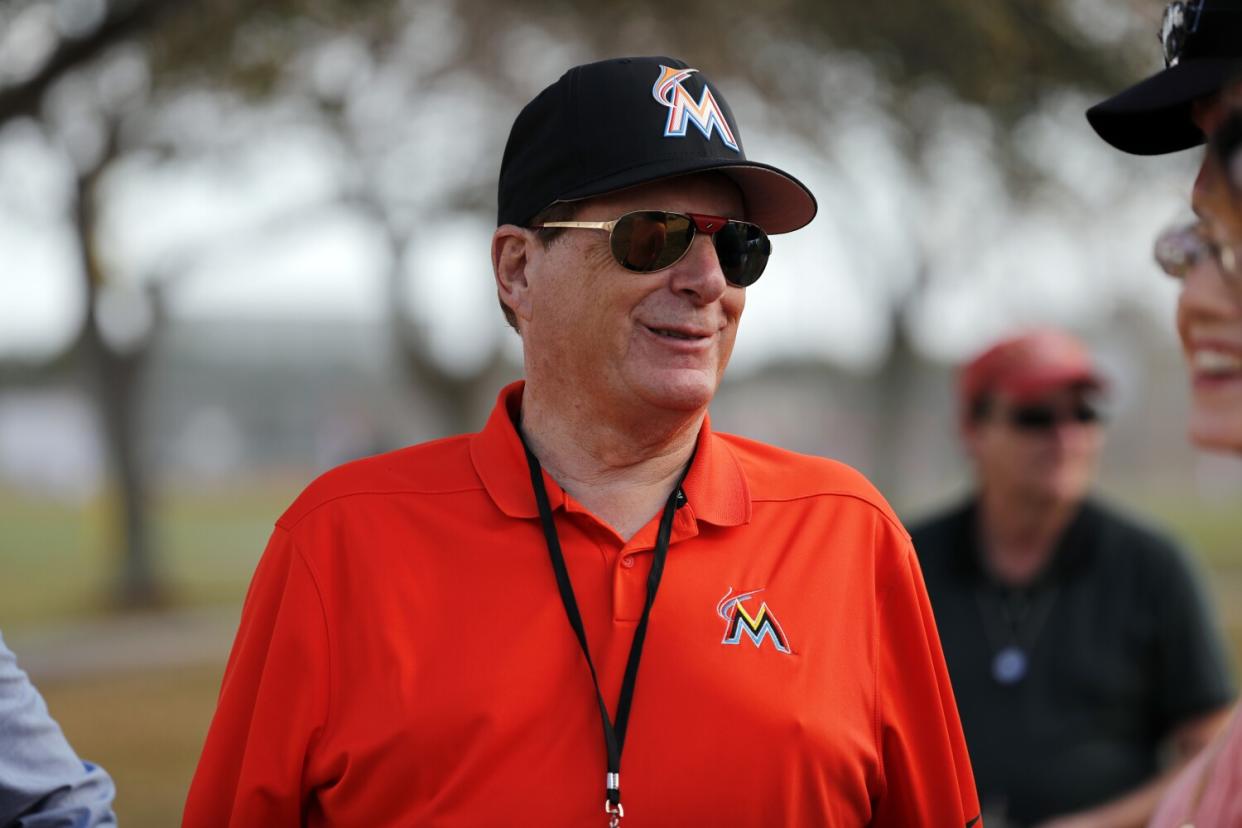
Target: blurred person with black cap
[1077, 639]
[1198, 97]
[1177, 107]
[1206, 257]
[1174, 109]
[452, 634]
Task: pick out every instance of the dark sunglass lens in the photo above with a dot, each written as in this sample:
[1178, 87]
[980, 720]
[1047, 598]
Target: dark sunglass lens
[1033, 418]
[650, 240]
[638, 239]
[680, 234]
[1043, 417]
[1086, 413]
[743, 251]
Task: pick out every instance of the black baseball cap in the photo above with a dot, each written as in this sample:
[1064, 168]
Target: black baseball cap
[618, 123]
[1202, 44]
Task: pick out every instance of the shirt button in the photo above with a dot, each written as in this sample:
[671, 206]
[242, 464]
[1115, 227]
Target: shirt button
[628, 561]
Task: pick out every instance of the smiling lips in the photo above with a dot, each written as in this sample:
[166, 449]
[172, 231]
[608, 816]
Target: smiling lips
[686, 334]
[1214, 364]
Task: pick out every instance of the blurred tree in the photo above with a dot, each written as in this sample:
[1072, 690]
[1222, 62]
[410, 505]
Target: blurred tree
[365, 68]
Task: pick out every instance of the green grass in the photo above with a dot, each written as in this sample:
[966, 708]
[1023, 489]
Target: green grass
[1213, 531]
[146, 729]
[58, 564]
[60, 561]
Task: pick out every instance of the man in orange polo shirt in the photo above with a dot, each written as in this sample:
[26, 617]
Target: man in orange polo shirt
[469, 633]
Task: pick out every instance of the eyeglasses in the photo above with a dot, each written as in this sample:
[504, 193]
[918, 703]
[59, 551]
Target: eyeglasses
[645, 241]
[1179, 249]
[1180, 20]
[1046, 417]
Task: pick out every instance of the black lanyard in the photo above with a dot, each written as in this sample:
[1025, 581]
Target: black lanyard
[614, 736]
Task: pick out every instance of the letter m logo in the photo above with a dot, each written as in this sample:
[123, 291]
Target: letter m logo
[739, 622]
[706, 113]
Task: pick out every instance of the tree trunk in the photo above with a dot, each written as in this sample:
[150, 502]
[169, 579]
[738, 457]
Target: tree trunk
[115, 382]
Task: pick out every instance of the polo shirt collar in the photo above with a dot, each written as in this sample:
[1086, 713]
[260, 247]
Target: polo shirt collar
[716, 488]
[1074, 549]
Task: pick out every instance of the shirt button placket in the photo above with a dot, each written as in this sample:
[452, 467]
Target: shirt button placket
[629, 586]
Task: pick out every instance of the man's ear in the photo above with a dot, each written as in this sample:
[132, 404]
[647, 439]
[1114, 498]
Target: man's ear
[512, 247]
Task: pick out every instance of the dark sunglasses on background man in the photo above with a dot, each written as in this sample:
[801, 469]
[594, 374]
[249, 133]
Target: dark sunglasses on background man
[1036, 417]
[645, 241]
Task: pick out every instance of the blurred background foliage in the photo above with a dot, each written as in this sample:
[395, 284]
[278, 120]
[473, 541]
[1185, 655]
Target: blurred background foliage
[934, 131]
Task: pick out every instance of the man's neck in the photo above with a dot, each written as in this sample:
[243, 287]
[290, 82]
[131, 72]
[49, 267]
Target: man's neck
[622, 471]
[1018, 536]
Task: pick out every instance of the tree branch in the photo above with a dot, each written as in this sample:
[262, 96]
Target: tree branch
[124, 20]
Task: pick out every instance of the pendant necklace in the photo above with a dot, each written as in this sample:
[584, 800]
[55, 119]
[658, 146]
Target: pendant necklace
[1023, 615]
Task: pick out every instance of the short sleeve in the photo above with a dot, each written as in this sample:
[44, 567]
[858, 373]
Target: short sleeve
[273, 703]
[43, 783]
[1193, 670]
[927, 779]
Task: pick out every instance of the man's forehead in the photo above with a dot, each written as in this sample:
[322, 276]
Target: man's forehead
[1058, 394]
[709, 191]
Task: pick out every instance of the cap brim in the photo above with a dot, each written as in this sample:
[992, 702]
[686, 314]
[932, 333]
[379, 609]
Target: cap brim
[1153, 116]
[775, 200]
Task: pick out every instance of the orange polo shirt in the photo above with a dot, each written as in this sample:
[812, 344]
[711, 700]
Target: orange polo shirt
[404, 658]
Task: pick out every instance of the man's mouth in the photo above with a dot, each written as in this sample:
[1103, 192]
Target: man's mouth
[676, 334]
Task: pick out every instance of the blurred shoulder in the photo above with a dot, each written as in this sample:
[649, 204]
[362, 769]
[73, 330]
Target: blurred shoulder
[942, 526]
[943, 537]
[1135, 540]
[438, 467]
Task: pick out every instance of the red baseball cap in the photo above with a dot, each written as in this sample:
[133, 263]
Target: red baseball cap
[1028, 366]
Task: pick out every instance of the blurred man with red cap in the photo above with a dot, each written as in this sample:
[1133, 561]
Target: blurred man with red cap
[1078, 642]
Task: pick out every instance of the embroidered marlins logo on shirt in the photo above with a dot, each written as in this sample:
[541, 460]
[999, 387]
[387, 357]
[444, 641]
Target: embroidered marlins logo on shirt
[756, 626]
[683, 109]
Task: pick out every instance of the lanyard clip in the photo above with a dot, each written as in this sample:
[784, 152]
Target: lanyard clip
[612, 805]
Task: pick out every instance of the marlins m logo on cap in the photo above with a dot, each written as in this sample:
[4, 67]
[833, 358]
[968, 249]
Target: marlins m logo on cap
[683, 109]
[757, 627]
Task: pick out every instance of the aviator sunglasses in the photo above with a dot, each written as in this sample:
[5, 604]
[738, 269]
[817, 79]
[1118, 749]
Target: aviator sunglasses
[645, 241]
[1180, 249]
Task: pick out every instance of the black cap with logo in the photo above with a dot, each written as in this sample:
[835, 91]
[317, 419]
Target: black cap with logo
[618, 123]
[1202, 43]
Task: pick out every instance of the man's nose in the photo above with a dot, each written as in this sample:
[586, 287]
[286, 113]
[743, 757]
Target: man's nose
[698, 274]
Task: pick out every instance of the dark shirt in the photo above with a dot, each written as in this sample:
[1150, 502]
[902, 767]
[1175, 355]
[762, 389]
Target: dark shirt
[1119, 650]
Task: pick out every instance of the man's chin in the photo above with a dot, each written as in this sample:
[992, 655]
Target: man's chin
[1056, 491]
[685, 391]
